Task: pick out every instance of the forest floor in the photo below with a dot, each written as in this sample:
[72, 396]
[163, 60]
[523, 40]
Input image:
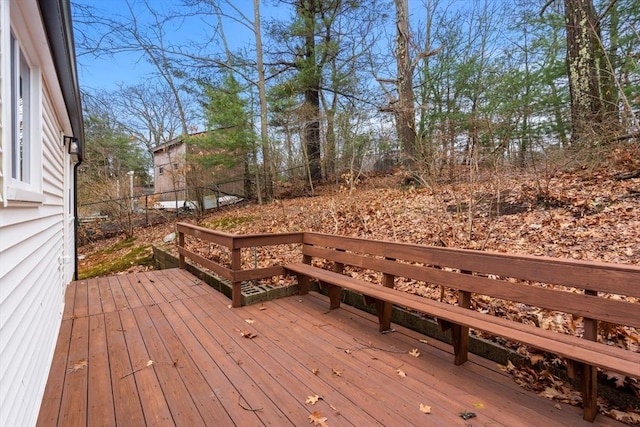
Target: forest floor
[583, 214]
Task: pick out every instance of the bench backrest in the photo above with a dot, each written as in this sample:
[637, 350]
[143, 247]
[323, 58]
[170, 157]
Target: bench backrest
[517, 278]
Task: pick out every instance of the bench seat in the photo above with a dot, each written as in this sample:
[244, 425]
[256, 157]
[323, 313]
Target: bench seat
[571, 347]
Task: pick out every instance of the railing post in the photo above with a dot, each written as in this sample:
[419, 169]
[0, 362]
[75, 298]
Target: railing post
[181, 262]
[589, 379]
[303, 280]
[335, 292]
[236, 290]
[459, 333]
[384, 308]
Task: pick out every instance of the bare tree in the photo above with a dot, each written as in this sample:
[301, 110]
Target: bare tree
[125, 33]
[590, 81]
[262, 93]
[404, 109]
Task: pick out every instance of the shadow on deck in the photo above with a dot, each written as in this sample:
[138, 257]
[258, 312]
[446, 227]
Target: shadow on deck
[163, 348]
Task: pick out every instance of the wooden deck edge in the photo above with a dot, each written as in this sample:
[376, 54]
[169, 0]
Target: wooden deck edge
[480, 347]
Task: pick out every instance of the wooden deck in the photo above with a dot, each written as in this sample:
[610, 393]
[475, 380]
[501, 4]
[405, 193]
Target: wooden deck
[205, 372]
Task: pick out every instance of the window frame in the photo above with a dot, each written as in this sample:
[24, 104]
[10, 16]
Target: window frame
[22, 162]
[21, 110]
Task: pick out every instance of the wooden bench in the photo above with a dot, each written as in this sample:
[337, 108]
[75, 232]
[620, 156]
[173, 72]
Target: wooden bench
[579, 290]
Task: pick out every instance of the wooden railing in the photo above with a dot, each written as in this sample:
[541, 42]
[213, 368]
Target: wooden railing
[582, 289]
[234, 243]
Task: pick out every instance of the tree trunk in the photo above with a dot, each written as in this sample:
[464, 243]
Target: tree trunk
[405, 110]
[307, 10]
[264, 136]
[587, 69]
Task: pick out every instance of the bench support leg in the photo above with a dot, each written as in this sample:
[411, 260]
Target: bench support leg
[460, 337]
[383, 308]
[589, 383]
[460, 334]
[303, 284]
[589, 380]
[236, 294]
[335, 295]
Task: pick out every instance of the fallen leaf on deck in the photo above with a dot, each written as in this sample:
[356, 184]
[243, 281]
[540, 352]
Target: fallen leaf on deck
[336, 372]
[425, 409]
[423, 341]
[312, 400]
[414, 352]
[249, 335]
[347, 351]
[80, 364]
[249, 321]
[401, 373]
[315, 371]
[552, 393]
[317, 419]
[478, 405]
[557, 406]
[262, 308]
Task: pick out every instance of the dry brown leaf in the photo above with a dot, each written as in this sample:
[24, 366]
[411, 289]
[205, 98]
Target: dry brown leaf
[414, 352]
[249, 335]
[536, 358]
[401, 373]
[616, 376]
[317, 419]
[552, 393]
[423, 341]
[632, 418]
[262, 308]
[478, 405]
[425, 409]
[315, 371]
[249, 321]
[80, 364]
[336, 372]
[312, 400]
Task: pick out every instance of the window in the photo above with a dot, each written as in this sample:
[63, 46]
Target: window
[20, 114]
[23, 144]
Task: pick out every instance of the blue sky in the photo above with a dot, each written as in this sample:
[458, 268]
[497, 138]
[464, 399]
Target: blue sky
[129, 68]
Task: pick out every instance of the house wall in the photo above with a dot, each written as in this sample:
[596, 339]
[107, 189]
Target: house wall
[36, 233]
[171, 160]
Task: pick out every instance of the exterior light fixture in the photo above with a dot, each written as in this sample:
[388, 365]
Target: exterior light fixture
[73, 147]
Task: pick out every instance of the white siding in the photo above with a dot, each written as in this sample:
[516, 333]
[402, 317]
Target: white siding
[4, 20]
[35, 251]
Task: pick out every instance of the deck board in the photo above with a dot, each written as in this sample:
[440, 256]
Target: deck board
[204, 372]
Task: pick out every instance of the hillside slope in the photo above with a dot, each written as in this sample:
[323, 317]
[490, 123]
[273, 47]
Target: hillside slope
[579, 216]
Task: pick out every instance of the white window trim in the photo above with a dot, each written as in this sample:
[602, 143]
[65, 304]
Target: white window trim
[16, 191]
